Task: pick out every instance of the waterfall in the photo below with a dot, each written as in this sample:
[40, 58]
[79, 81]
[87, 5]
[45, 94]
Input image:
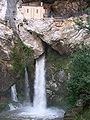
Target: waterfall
[39, 85]
[14, 93]
[39, 110]
[27, 88]
[12, 107]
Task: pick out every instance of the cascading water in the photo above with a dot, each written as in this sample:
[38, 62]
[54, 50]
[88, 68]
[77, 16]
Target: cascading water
[39, 85]
[39, 110]
[14, 93]
[27, 88]
[13, 98]
[12, 107]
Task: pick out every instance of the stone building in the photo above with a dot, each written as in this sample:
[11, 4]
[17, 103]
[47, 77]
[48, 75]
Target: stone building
[33, 10]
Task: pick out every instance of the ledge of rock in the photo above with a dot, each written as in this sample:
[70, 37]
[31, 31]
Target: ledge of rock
[32, 41]
[63, 35]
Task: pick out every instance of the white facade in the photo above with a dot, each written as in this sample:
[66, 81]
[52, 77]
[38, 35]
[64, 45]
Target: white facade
[35, 12]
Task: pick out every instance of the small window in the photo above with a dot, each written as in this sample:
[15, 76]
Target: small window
[27, 10]
[37, 11]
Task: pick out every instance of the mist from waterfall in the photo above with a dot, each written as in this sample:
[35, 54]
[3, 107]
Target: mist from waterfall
[12, 107]
[39, 85]
[27, 87]
[39, 108]
[14, 94]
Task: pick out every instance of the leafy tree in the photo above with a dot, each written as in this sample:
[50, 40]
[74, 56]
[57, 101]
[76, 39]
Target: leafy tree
[79, 83]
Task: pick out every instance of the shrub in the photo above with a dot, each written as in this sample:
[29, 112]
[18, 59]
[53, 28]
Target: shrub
[79, 83]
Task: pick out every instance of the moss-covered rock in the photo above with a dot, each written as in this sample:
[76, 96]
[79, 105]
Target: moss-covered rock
[56, 77]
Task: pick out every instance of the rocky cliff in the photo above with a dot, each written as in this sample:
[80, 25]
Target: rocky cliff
[6, 70]
[63, 8]
[62, 35]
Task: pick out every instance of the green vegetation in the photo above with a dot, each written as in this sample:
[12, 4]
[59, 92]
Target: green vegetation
[21, 57]
[79, 83]
[84, 116]
[55, 64]
[79, 68]
[3, 104]
[56, 61]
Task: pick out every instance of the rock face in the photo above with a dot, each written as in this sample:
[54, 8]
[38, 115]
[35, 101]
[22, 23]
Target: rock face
[6, 70]
[56, 78]
[32, 41]
[7, 28]
[13, 17]
[3, 8]
[67, 8]
[62, 35]
[62, 8]
[10, 17]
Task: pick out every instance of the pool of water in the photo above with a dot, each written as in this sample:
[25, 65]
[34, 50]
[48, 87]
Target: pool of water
[29, 113]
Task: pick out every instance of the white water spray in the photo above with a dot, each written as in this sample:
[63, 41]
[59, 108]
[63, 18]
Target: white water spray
[39, 85]
[27, 87]
[39, 108]
[12, 107]
[14, 93]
